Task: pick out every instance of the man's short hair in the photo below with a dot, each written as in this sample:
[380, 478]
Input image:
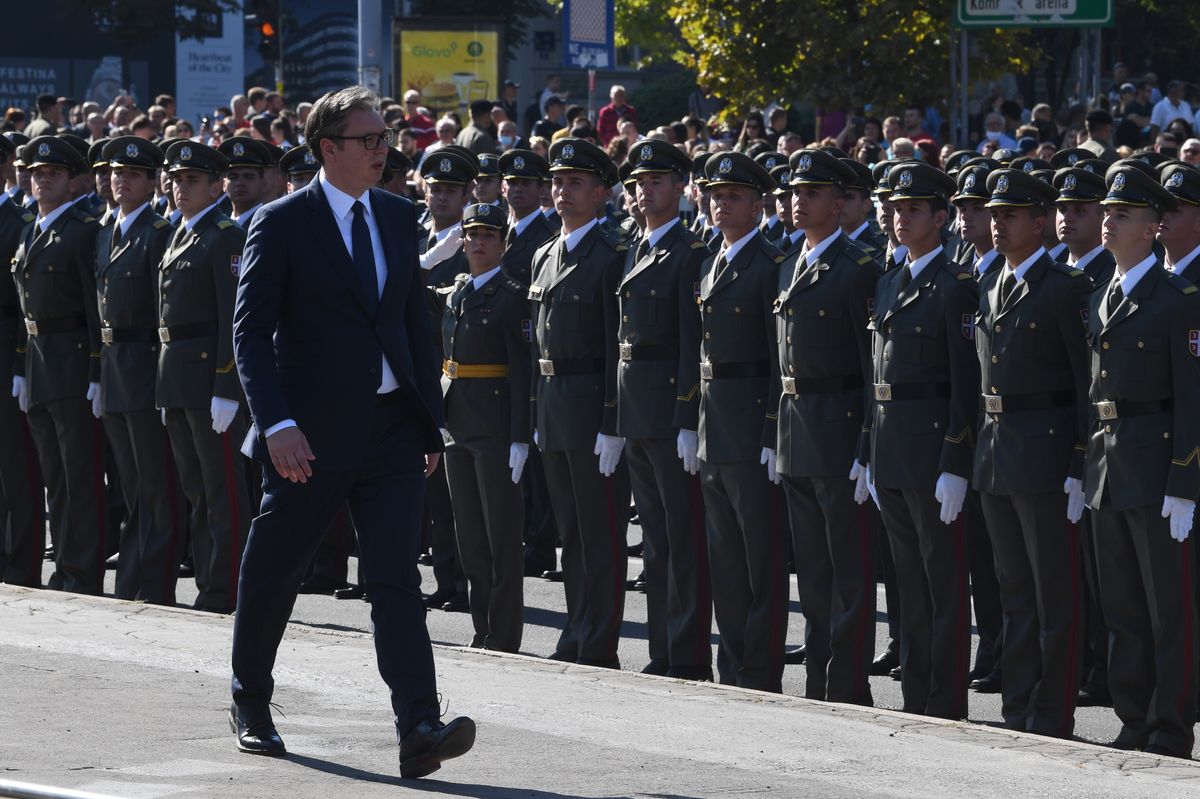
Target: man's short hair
[329, 114]
[164, 99]
[139, 123]
[1097, 119]
[616, 88]
[256, 94]
[481, 107]
[45, 102]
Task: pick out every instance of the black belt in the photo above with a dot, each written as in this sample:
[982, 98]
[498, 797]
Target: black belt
[1120, 409]
[821, 385]
[121, 335]
[648, 352]
[889, 392]
[172, 333]
[558, 367]
[61, 325]
[1039, 401]
[724, 371]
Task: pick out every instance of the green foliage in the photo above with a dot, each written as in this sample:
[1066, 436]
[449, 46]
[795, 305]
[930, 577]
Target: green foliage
[663, 100]
[129, 22]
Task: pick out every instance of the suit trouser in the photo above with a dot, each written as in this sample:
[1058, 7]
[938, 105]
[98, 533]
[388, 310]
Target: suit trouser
[384, 495]
[935, 615]
[438, 522]
[745, 552]
[489, 518]
[70, 446]
[1146, 588]
[835, 575]
[1037, 564]
[594, 562]
[542, 534]
[212, 473]
[149, 564]
[881, 548]
[1095, 629]
[675, 554]
[22, 500]
[332, 558]
[985, 590]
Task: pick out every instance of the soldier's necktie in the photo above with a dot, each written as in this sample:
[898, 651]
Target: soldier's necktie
[642, 248]
[720, 265]
[905, 277]
[1114, 297]
[511, 237]
[364, 256]
[461, 295]
[116, 242]
[1007, 286]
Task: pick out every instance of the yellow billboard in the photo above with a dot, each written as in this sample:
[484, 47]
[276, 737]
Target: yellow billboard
[450, 68]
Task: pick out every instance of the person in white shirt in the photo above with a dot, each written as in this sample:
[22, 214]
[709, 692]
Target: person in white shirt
[1170, 108]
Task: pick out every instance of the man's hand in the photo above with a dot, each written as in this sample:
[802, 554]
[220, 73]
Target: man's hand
[431, 462]
[441, 251]
[290, 454]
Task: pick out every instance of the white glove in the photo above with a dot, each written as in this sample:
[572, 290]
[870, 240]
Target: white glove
[222, 411]
[871, 488]
[20, 392]
[1073, 488]
[768, 458]
[535, 440]
[687, 445]
[951, 491]
[862, 489]
[1180, 512]
[93, 396]
[163, 413]
[441, 251]
[446, 439]
[609, 449]
[517, 455]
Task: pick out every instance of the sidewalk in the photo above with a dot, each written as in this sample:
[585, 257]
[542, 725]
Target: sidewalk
[130, 700]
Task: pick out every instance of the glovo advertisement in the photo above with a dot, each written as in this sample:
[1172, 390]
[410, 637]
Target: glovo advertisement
[450, 68]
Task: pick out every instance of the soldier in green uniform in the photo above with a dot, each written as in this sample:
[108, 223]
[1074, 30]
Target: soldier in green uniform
[102, 174]
[577, 316]
[926, 396]
[487, 369]
[824, 355]
[58, 370]
[1033, 373]
[739, 396]
[197, 387]
[1142, 471]
[772, 224]
[128, 253]
[703, 225]
[1179, 232]
[22, 531]
[658, 401]
[245, 180]
[524, 171]
[859, 211]
[487, 184]
[299, 166]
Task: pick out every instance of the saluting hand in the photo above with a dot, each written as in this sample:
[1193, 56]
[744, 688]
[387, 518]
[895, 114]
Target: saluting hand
[291, 454]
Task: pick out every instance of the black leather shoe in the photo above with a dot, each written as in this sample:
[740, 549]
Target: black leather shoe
[979, 671]
[1093, 696]
[255, 733]
[553, 575]
[614, 664]
[634, 550]
[695, 673]
[1128, 741]
[1162, 751]
[458, 604]
[536, 567]
[895, 674]
[425, 559]
[793, 655]
[561, 657]
[987, 685]
[882, 666]
[658, 667]
[320, 584]
[187, 568]
[111, 562]
[351, 592]
[430, 743]
[438, 598]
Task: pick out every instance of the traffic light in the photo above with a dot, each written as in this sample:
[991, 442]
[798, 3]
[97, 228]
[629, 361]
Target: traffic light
[268, 43]
[264, 15]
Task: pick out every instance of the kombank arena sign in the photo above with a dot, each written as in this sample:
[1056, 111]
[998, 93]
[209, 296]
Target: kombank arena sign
[1033, 13]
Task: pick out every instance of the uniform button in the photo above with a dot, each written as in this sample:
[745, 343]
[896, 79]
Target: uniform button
[50, 269]
[627, 294]
[792, 369]
[936, 425]
[849, 414]
[995, 359]
[789, 339]
[707, 334]
[709, 309]
[78, 346]
[1104, 373]
[822, 313]
[1108, 428]
[997, 328]
[791, 311]
[737, 309]
[575, 296]
[496, 391]
[1032, 325]
[203, 355]
[129, 274]
[1141, 344]
[995, 390]
[1166, 435]
[918, 328]
[1104, 345]
[1051, 431]
[27, 294]
[653, 293]
[26, 275]
[624, 318]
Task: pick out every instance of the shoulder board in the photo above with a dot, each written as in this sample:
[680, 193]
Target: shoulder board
[779, 258]
[1070, 271]
[1190, 290]
[81, 215]
[515, 286]
[28, 217]
[621, 247]
[963, 276]
[224, 224]
[160, 223]
[866, 259]
[1180, 284]
[697, 245]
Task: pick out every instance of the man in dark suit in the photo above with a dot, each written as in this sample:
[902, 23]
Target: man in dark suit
[334, 351]
[1030, 339]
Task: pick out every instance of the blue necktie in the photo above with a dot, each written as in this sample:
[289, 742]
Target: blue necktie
[364, 256]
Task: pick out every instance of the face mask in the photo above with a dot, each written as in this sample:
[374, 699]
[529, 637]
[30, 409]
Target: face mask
[507, 141]
[993, 135]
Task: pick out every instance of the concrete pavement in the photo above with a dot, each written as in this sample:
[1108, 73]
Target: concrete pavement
[130, 700]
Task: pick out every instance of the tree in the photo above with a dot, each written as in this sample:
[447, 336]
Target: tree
[836, 53]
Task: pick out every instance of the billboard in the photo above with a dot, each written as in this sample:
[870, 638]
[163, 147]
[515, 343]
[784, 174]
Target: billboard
[208, 72]
[450, 66]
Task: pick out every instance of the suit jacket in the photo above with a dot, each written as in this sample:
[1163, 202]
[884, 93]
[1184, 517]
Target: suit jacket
[197, 284]
[13, 220]
[127, 285]
[55, 276]
[518, 256]
[1147, 350]
[821, 316]
[924, 335]
[738, 414]
[1100, 269]
[1033, 344]
[490, 326]
[576, 320]
[658, 394]
[476, 140]
[307, 347]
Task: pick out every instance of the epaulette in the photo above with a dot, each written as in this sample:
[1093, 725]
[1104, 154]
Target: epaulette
[866, 259]
[964, 276]
[779, 258]
[224, 223]
[1066, 269]
[1180, 284]
[28, 217]
[515, 285]
[613, 239]
[81, 215]
[697, 245]
[160, 223]
[1190, 290]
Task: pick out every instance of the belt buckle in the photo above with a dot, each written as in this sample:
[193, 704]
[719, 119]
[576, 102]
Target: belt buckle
[1107, 409]
[452, 370]
[626, 351]
[883, 392]
[31, 327]
[546, 367]
[993, 403]
[106, 335]
[706, 371]
[789, 385]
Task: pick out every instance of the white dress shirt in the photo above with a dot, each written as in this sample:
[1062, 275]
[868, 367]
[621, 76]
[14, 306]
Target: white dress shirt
[858, 231]
[918, 266]
[1020, 269]
[243, 220]
[44, 222]
[573, 238]
[984, 262]
[124, 222]
[730, 252]
[479, 281]
[813, 253]
[655, 236]
[1183, 262]
[519, 228]
[1087, 257]
[191, 223]
[1130, 279]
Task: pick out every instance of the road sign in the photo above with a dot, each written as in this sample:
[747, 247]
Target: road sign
[588, 34]
[1032, 13]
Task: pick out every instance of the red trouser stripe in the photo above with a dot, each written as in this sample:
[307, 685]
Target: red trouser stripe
[618, 554]
[1071, 686]
[962, 643]
[171, 562]
[101, 500]
[235, 520]
[37, 524]
[703, 578]
[866, 617]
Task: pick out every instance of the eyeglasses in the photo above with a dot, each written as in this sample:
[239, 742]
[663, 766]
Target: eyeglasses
[410, 102]
[371, 141]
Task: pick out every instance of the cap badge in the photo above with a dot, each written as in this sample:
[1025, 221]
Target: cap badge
[1119, 182]
[239, 149]
[771, 162]
[568, 152]
[1069, 183]
[131, 150]
[519, 162]
[1088, 168]
[444, 165]
[1002, 184]
[1028, 167]
[309, 158]
[1175, 181]
[969, 183]
[484, 210]
[725, 166]
[646, 153]
[43, 149]
[804, 164]
[905, 179]
[1072, 159]
[784, 176]
[185, 153]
